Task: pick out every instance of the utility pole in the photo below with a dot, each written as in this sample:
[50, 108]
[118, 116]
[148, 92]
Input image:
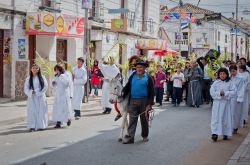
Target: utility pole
[180, 1]
[236, 37]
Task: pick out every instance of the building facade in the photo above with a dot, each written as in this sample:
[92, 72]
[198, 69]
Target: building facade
[205, 33]
[55, 30]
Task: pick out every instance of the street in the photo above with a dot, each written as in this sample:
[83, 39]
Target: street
[177, 136]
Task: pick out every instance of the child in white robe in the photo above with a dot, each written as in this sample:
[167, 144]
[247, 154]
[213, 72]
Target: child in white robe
[62, 106]
[37, 108]
[222, 90]
[237, 100]
[244, 74]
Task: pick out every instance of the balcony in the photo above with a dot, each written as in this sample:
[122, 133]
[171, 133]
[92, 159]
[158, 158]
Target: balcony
[131, 19]
[97, 12]
[51, 6]
[148, 25]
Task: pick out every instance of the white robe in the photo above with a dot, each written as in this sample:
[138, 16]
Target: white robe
[37, 107]
[109, 72]
[79, 80]
[237, 102]
[62, 106]
[221, 121]
[71, 86]
[246, 79]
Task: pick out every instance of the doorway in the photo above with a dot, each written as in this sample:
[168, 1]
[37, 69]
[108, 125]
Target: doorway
[61, 50]
[32, 49]
[1, 62]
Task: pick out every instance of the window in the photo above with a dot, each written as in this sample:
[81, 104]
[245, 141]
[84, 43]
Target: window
[185, 35]
[218, 36]
[225, 38]
[46, 3]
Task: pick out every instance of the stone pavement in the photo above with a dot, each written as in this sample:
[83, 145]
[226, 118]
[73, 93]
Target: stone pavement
[242, 154]
[15, 111]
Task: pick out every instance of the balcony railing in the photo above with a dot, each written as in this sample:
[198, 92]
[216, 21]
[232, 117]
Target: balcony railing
[50, 5]
[131, 19]
[183, 42]
[97, 12]
[148, 25]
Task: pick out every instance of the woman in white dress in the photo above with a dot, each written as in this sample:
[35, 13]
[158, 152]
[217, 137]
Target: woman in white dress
[62, 107]
[37, 108]
[222, 90]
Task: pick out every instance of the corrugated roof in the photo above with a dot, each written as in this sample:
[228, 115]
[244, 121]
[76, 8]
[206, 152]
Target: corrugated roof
[189, 8]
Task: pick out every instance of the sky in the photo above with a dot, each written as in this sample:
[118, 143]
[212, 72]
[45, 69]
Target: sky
[226, 7]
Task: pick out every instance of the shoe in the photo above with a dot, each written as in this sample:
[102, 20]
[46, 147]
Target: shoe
[58, 126]
[131, 141]
[120, 140]
[145, 139]
[235, 131]
[77, 118]
[214, 137]
[174, 105]
[178, 105]
[68, 123]
[41, 130]
[32, 130]
[207, 102]
[225, 137]
[108, 110]
[118, 116]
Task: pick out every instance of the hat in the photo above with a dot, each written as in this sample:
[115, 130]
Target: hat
[143, 63]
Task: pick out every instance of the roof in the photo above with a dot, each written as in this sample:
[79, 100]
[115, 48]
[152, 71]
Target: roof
[189, 8]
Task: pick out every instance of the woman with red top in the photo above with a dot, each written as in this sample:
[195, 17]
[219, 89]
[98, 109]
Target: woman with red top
[96, 79]
[160, 78]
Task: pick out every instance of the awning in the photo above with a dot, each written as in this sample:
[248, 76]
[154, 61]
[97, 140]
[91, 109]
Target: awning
[167, 52]
[53, 24]
[151, 44]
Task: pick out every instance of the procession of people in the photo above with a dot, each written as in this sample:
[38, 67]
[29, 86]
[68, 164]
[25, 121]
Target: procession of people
[185, 82]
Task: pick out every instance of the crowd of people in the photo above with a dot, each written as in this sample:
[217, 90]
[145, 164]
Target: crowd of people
[189, 81]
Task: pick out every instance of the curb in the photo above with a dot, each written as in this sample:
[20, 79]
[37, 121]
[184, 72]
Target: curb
[90, 104]
[241, 153]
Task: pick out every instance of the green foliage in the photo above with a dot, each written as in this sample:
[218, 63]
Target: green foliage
[46, 66]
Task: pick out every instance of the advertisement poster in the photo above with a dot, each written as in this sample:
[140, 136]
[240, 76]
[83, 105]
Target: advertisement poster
[21, 48]
[44, 23]
[6, 47]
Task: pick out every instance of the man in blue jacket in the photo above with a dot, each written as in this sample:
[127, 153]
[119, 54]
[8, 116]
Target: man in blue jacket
[140, 89]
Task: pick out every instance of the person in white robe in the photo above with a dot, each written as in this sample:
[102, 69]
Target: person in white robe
[237, 100]
[222, 90]
[109, 71]
[62, 106]
[37, 108]
[71, 88]
[79, 80]
[244, 74]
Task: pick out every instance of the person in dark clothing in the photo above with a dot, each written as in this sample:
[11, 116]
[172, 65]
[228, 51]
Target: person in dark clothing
[140, 90]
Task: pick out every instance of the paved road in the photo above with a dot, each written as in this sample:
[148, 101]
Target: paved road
[175, 134]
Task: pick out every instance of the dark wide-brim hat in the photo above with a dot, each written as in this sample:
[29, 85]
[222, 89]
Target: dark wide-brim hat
[143, 63]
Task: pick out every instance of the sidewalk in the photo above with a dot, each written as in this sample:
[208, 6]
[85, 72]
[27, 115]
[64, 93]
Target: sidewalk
[242, 154]
[15, 111]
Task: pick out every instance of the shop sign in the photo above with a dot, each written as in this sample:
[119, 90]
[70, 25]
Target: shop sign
[45, 23]
[152, 44]
[120, 25]
[48, 20]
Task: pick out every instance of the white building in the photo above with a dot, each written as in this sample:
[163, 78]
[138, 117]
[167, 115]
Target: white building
[143, 22]
[206, 33]
[54, 28]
